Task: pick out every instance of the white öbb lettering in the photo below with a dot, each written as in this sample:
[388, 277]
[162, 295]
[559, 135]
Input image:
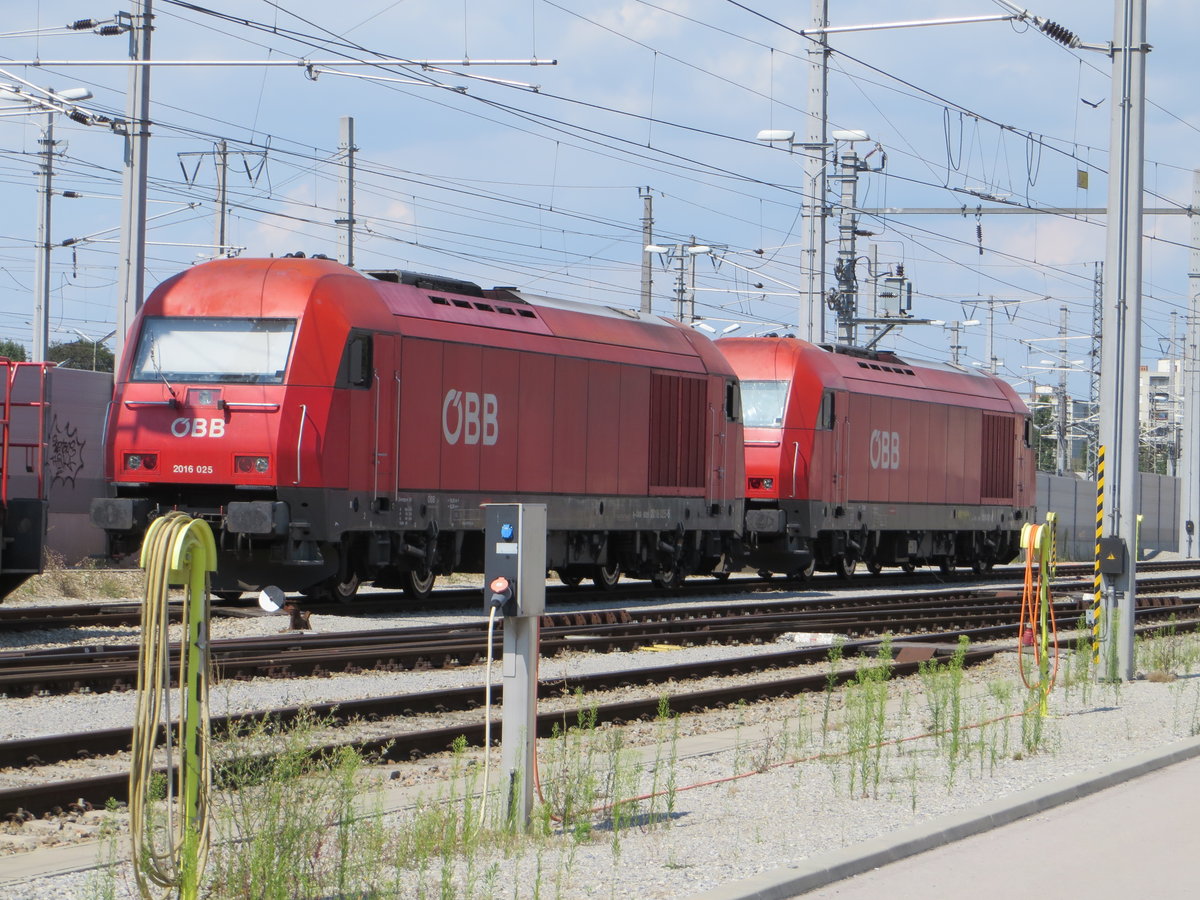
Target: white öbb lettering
[466, 418]
[885, 449]
[185, 426]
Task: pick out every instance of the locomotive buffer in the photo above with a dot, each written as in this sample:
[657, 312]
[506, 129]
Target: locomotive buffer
[515, 585]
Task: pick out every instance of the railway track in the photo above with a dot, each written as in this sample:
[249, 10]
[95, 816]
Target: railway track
[99, 669]
[128, 615]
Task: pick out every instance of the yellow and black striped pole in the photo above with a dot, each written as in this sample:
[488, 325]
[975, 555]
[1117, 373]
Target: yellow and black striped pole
[1097, 585]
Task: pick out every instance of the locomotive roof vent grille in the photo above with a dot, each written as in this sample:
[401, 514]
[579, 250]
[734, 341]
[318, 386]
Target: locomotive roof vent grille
[482, 307]
[893, 369]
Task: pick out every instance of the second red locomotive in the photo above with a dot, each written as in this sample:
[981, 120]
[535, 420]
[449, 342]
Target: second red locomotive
[856, 455]
[338, 427]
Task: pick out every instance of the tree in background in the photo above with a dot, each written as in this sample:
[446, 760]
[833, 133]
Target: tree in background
[13, 350]
[81, 354]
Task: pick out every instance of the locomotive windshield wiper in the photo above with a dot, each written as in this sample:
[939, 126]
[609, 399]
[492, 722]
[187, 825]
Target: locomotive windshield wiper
[158, 371]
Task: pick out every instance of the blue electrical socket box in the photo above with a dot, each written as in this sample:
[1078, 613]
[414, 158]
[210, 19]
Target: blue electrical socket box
[514, 558]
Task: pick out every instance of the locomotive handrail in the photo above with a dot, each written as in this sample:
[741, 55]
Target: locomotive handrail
[300, 438]
[761, 443]
[795, 462]
[250, 406]
[131, 404]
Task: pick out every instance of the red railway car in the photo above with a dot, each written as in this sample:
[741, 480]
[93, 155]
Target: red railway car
[861, 456]
[338, 427]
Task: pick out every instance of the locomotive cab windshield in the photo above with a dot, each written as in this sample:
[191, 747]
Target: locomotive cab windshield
[763, 403]
[219, 350]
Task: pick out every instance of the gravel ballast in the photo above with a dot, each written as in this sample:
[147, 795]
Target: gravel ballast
[742, 805]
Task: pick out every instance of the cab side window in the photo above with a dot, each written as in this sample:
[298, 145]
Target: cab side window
[733, 402]
[355, 370]
[825, 415]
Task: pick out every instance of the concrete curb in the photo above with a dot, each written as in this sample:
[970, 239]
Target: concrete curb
[836, 865]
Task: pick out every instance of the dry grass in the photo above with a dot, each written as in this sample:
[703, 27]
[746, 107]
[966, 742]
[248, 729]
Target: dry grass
[90, 580]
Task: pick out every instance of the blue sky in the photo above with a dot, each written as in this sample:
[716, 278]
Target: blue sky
[504, 185]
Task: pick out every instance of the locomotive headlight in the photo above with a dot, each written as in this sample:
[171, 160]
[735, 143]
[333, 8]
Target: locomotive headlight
[248, 464]
[134, 461]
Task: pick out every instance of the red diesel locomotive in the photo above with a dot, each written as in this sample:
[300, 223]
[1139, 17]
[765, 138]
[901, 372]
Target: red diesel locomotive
[858, 455]
[338, 427]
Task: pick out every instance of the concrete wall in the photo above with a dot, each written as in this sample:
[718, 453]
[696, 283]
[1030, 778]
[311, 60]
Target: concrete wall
[1074, 499]
[74, 460]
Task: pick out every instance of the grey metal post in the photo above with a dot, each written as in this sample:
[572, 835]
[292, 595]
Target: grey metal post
[519, 719]
[991, 335]
[41, 287]
[1189, 450]
[647, 241]
[1122, 323]
[346, 150]
[1060, 430]
[131, 275]
[681, 282]
[222, 162]
[812, 309]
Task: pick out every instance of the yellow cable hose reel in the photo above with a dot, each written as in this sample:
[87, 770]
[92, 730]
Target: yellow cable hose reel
[171, 852]
[1037, 624]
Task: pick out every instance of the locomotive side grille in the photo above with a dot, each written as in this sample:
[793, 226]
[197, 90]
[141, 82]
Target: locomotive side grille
[677, 421]
[999, 444]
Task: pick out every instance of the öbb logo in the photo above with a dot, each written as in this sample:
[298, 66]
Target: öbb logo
[885, 449]
[465, 418]
[185, 426]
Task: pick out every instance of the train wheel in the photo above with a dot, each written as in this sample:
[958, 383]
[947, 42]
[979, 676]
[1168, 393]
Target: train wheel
[228, 596]
[845, 567]
[570, 579]
[874, 567]
[804, 574]
[606, 577]
[946, 564]
[979, 566]
[332, 589]
[764, 574]
[721, 576]
[417, 585]
[908, 568]
[667, 579]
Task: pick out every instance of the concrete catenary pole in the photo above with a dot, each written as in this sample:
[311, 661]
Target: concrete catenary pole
[647, 241]
[131, 275]
[816, 149]
[222, 161]
[1122, 331]
[1189, 450]
[41, 287]
[346, 151]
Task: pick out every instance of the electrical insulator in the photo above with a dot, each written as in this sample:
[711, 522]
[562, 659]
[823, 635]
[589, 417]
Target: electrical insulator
[110, 30]
[1060, 33]
[82, 24]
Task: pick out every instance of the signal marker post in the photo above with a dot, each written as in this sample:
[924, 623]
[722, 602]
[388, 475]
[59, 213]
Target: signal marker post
[515, 583]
